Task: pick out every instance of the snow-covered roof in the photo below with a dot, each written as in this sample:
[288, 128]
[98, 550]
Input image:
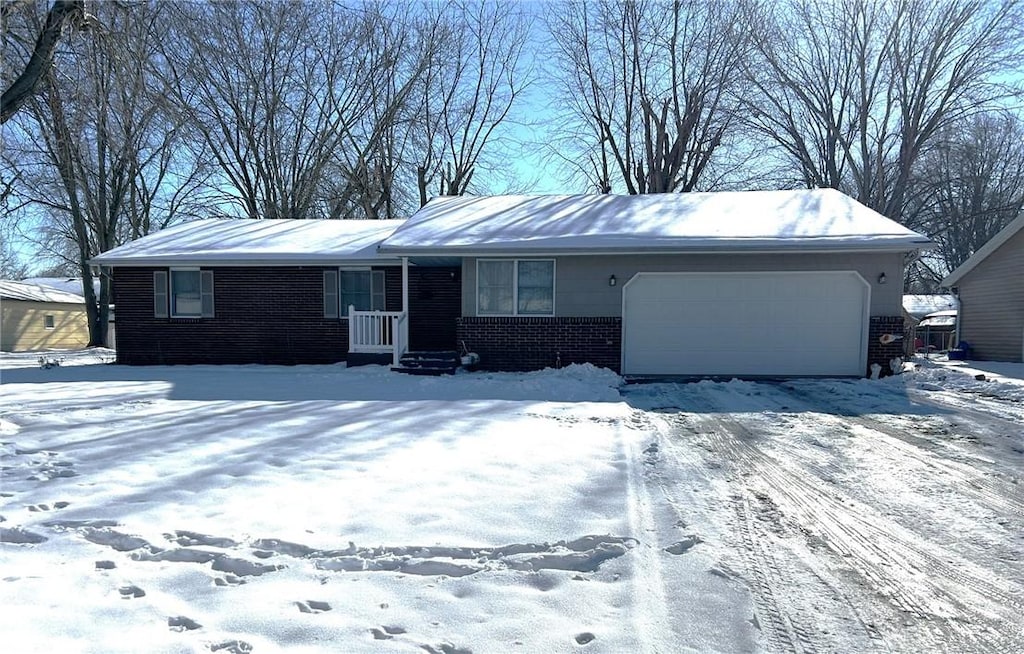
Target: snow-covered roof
[919, 306]
[816, 219]
[11, 290]
[269, 242]
[940, 319]
[66, 284]
[991, 246]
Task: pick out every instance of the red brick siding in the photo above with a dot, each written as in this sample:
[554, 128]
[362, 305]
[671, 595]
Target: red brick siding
[883, 353]
[517, 343]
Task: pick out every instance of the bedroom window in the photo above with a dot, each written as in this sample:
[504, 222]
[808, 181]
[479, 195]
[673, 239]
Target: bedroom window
[183, 293]
[363, 289]
[516, 287]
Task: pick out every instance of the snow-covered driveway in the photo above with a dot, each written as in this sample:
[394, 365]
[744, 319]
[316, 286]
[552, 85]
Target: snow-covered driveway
[315, 508]
[862, 516]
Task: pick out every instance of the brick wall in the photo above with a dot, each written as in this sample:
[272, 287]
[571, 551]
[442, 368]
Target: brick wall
[262, 315]
[883, 353]
[267, 315]
[520, 343]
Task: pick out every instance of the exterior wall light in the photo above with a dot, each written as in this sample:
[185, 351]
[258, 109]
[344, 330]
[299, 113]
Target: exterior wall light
[881, 278]
[612, 281]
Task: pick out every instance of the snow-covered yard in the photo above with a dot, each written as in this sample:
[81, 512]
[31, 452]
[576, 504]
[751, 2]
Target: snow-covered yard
[319, 508]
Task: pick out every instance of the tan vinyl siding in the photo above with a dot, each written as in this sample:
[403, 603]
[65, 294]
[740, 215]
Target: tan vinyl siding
[992, 304]
[582, 289]
[23, 326]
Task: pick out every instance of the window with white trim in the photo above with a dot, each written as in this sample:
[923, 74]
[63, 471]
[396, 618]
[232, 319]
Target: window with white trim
[186, 295]
[515, 287]
[363, 289]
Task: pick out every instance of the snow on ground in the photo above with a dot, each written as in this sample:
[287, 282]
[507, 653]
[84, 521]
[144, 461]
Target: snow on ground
[319, 508]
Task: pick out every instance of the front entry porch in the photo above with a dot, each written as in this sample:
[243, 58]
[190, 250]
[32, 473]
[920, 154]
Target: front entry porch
[430, 303]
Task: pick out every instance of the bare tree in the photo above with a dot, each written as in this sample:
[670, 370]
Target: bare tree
[40, 57]
[651, 88]
[476, 73]
[275, 91]
[852, 93]
[369, 176]
[972, 185]
[95, 157]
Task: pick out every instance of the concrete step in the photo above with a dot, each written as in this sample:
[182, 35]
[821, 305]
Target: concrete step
[428, 363]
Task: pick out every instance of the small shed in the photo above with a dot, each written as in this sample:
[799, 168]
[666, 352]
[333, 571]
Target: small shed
[930, 336]
[34, 317]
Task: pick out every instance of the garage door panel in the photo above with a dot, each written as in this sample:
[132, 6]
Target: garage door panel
[768, 323]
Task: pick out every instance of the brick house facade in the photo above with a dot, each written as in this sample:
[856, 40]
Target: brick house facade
[270, 315]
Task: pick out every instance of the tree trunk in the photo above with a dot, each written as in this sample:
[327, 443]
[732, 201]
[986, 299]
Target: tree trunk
[39, 64]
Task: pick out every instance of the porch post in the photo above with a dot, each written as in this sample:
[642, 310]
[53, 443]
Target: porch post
[403, 325]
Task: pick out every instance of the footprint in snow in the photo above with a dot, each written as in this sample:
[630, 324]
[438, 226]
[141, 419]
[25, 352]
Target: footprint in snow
[131, 592]
[19, 536]
[386, 632]
[683, 546]
[36, 508]
[181, 623]
[313, 606]
[446, 648]
[584, 638]
[228, 580]
[232, 647]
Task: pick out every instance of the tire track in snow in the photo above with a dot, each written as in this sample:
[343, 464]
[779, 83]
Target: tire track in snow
[993, 492]
[877, 547]
[785, 621]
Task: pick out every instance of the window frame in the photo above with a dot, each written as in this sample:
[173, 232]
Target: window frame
[164, 305]
[515, 286]
[49, 322]
[382, 295]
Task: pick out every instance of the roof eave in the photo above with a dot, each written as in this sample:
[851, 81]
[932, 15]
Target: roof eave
[804, 248]
[993, 244]
[213, 262]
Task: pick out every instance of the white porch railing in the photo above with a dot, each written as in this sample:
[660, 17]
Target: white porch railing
[378, 331]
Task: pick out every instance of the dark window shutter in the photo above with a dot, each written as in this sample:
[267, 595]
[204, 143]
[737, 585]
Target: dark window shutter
[160, 293]
[330, 294]
[206, 285]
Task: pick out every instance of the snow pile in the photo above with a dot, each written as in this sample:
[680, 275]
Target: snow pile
[991, 379]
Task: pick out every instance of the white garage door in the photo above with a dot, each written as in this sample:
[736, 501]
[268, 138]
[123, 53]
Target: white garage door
[745, 324]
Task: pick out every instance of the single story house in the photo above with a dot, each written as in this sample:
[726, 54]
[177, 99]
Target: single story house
[73, 285]
[757, 283]
[990, 287]
[34, 317]
[67, 284]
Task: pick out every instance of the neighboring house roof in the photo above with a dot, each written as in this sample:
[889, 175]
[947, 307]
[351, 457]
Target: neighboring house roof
[10, 290]
[939, 319]
[66, 284]
[816, 219]
[270, 242]
[919, 306]
[984, 251]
